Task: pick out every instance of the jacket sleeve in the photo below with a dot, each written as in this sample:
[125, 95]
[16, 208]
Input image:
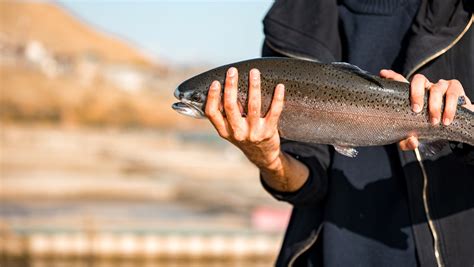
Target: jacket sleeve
[316, 157]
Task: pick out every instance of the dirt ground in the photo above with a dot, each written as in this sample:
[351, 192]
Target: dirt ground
[135, 176]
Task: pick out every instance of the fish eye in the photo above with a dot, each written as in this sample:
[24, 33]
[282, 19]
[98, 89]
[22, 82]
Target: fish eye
[196, 97]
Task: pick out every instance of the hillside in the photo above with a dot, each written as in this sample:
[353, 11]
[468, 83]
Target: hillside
[21, 22]
[56, 69]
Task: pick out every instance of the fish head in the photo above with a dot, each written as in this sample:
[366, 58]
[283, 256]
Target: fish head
[192, 96]
[192, 93]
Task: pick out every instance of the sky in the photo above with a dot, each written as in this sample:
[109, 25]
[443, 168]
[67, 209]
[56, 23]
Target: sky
[181, 32]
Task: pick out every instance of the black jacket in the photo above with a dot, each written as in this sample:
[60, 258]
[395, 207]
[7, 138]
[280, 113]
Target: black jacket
[440, 188]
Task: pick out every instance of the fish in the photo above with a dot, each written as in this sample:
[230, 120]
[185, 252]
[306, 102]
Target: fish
[336, 103]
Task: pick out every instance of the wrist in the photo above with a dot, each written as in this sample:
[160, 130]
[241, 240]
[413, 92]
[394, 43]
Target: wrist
[285, 173]
[275, 164]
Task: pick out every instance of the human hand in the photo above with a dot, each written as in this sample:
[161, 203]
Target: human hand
[447, 90]
[255, 135]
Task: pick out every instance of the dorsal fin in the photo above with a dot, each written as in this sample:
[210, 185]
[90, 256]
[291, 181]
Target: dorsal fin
[358, 71]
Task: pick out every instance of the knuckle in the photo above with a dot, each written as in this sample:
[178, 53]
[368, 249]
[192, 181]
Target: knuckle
[269, 134]
[276, 113]
[455, 82]
[229, 83]
[253, 105]
[255, 83]
[403, 147]
[210, 109]
[419, 76]
[255, 138]
[237, 136]
[279, 99]
[212, 116]
[228, 105]
[223, 135]
[227, 96]
[452, 94]
[442, 83]
[437, 89]
[456, 87]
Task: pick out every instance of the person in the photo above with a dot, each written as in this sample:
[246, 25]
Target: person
[391, 205]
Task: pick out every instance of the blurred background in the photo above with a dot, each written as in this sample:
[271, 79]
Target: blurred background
[96, 169]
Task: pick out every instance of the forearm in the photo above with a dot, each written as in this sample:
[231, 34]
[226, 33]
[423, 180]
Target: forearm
[285, 174]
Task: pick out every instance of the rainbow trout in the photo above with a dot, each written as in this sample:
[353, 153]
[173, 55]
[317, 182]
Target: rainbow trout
[337, 104]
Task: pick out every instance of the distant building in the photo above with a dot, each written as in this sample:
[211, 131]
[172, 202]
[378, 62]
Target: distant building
[87, 68]
[37, 54]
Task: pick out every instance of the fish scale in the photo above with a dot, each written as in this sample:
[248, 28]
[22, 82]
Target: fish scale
[336, 103]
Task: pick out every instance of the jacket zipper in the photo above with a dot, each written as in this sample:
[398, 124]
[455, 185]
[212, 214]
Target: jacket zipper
[285, 53]
[306, 246]
[442, 51]
[315, 237]
[434, 233]
[431, 225]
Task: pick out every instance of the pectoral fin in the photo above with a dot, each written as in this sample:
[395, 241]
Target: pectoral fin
[346, 151]
[430, 149]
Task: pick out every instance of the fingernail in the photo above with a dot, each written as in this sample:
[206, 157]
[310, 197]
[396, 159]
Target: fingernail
[214, 85]
[231, 72]
[446, 121]
[416, 108]
[434, 121]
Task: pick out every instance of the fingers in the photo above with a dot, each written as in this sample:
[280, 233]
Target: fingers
[231, 107]
[411, 143]
[447, 91]
[235, 128]
[453, 93]
[390, 74]
[435, 100]
[418, 87]
[212, 109]
[276, 107]
[254, 102]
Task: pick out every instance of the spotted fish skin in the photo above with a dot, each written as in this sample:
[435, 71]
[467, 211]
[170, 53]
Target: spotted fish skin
[337, 104]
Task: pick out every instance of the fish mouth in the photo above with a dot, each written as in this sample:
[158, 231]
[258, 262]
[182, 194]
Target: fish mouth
[189, 108]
